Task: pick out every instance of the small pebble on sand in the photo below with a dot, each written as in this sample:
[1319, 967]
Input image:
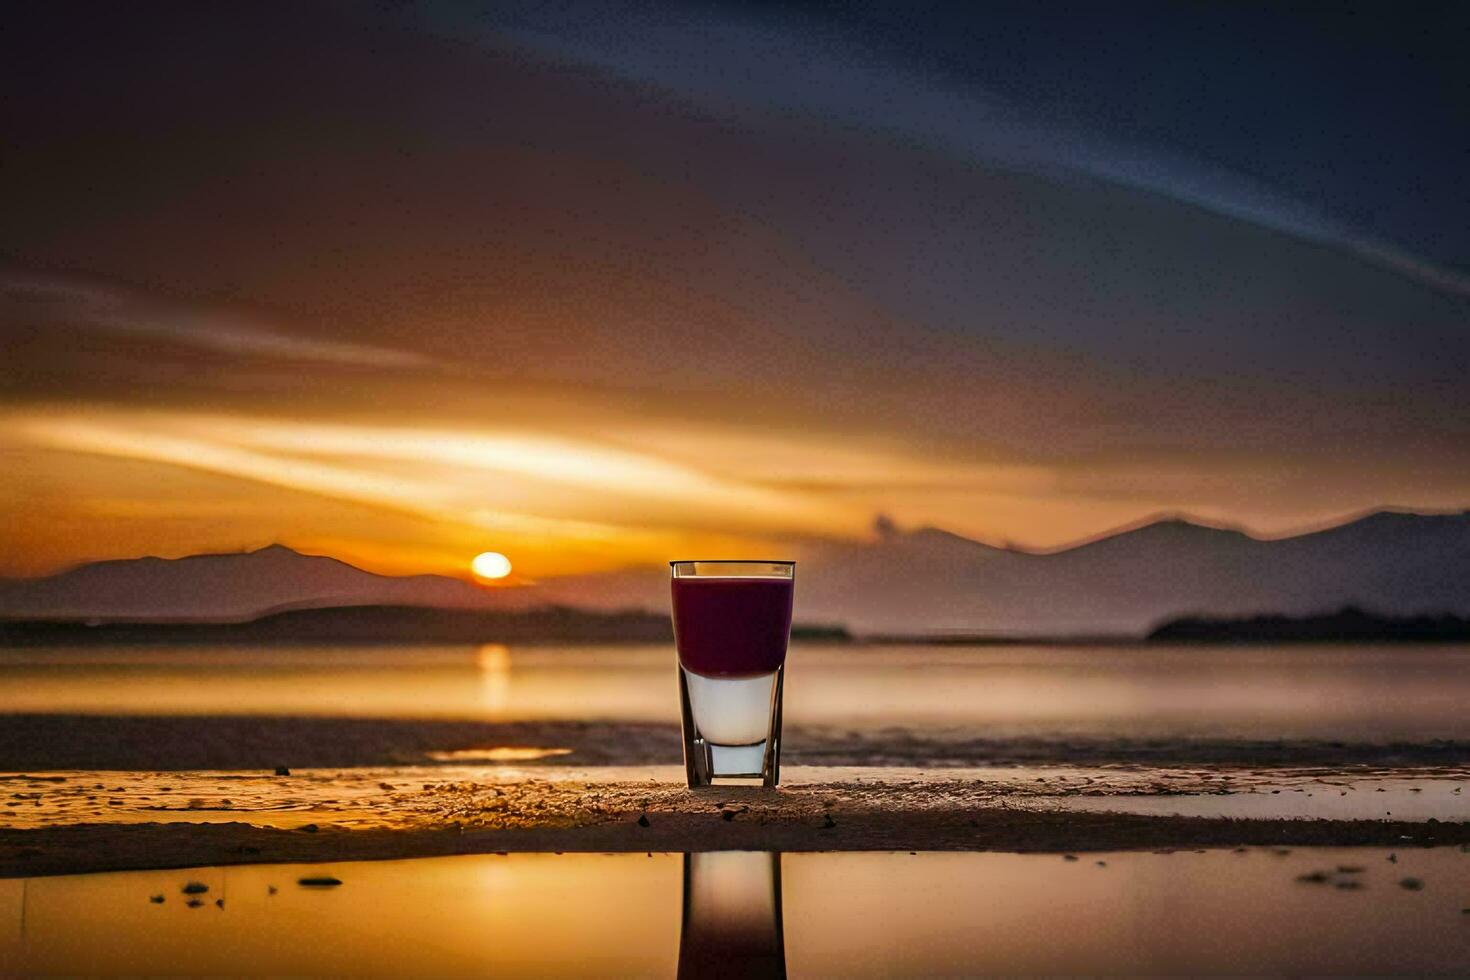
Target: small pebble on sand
[1411, 884]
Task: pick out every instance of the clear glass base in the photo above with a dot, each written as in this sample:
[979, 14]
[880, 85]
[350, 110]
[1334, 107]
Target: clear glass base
[732, 727]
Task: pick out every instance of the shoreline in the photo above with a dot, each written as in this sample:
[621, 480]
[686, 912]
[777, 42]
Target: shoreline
[90, 848]
[144, 742]
[88, 793]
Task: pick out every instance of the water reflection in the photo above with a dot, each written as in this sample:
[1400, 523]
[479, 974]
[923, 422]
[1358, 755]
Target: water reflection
[732, 916]
[493, 659]
[1257, 911]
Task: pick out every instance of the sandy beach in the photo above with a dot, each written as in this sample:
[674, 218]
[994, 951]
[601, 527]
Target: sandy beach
[87, 793]
[75, 821]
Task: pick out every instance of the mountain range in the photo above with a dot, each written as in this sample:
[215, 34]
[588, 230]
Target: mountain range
[1388, 562]
[928, 581]
[912, 582]
[229, 587]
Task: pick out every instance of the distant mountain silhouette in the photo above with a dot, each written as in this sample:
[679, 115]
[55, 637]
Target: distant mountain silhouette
[1398, 564]
[924, 581]
[929, 581]
[1346, 625]
[232, 587]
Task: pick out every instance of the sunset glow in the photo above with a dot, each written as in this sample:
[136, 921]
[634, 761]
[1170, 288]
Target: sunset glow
[588, 492]
[733, 334]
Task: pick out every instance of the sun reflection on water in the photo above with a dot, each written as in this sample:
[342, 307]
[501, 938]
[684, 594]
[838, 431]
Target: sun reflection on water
[499, 753]
[493, 661]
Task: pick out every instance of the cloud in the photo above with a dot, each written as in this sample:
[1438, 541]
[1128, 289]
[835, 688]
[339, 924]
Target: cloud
[526, 482]
[101, 308]
[741, 64]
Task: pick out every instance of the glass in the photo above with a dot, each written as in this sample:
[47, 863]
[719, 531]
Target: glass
[732, 620]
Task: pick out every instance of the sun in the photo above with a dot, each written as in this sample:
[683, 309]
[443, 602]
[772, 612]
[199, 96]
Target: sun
[491, 564]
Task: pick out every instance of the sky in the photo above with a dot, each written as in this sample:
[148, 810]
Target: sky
[603, 285]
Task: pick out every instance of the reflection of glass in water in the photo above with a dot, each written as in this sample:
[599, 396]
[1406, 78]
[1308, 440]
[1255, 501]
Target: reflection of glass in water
[732, 915]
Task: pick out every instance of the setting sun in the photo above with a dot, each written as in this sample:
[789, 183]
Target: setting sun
[491, 564]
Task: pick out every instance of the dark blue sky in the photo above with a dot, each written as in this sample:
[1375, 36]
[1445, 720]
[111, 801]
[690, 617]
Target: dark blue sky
[1350, 120]
[1363, 109]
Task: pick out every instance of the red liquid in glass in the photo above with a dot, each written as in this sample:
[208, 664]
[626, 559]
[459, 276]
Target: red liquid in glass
[732, 627]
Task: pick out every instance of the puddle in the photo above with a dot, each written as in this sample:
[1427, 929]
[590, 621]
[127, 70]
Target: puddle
[1308, 910]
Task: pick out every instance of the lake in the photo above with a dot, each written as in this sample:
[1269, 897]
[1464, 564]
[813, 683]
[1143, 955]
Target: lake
[1364, 693]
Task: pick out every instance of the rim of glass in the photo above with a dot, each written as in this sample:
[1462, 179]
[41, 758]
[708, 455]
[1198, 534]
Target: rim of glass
[732, 561]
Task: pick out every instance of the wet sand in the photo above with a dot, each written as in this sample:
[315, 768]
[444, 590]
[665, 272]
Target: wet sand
[186, 742]
[87, 793]
[178, 820]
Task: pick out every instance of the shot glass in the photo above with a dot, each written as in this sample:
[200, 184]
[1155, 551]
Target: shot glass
[732, 621]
